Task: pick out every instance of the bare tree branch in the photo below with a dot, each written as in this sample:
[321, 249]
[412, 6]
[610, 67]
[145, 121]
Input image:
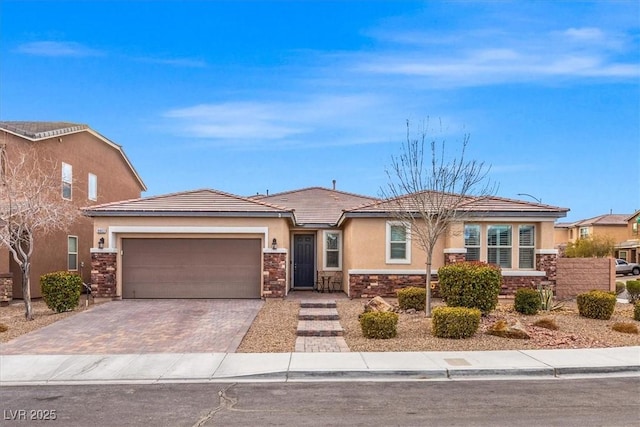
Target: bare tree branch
[430, 199]
[30, 204]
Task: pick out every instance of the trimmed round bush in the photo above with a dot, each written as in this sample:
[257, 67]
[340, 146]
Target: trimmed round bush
[620, 287]
[455, 322]
[633, 291]
[471, 285]
[61, 290]
[379, 325]
[636, 311]
[596, 305]
[527, 301]
[412, 297]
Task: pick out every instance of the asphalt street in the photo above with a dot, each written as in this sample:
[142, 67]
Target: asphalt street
[557, 402]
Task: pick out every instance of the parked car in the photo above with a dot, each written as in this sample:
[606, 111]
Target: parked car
[624, 267]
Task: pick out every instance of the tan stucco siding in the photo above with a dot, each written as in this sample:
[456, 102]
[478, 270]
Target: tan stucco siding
[365, 247]
[276, 228]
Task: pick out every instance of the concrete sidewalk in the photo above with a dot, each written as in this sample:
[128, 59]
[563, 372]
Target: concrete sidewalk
[283, 367]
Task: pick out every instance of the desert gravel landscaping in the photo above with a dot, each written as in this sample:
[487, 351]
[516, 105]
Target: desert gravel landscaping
[274, 329]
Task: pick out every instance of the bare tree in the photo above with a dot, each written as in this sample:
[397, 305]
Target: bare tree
[430, 196]
[30, 205]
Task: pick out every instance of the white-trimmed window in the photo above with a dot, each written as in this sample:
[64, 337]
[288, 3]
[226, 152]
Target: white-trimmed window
[398, 243]
[92, 191]
[527, 246]
[472, 241]
[332, 250]
[499, 245]
[67, 179]
[584, 232]
[72, 253]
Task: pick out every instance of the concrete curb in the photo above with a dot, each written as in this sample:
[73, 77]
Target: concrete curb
[295, 367]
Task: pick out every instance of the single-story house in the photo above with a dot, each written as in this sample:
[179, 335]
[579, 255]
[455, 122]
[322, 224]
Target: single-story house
[211, 244]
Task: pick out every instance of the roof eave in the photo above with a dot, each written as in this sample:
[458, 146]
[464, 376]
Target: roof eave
[218, 214]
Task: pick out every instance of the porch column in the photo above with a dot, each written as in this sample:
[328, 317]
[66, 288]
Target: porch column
[103, 273]
[274, 276]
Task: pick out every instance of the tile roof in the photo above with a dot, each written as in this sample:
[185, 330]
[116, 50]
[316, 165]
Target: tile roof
[486, 205]
[607, 219]
[41, 130]
[203, 202]
[317, 205]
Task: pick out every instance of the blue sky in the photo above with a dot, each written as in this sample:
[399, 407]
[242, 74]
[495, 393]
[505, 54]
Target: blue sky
[250, 96]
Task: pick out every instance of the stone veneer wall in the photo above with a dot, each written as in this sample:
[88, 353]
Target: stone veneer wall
[6, 288]
[274, 280]
[386, 285]
[103, 274]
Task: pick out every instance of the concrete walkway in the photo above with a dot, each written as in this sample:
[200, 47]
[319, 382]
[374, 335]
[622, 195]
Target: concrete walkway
[284, 367]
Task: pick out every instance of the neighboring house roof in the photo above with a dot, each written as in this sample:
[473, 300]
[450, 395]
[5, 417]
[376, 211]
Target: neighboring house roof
[633, 216]
[317, 206]
[476, 206]
[203, 202]
[608, 219]
[38, 131]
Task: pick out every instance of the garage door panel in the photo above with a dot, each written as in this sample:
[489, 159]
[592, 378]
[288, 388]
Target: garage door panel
[191, 268]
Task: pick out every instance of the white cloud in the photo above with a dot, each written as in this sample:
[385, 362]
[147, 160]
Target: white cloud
[56, 49]
[320, 120]
[485, 57]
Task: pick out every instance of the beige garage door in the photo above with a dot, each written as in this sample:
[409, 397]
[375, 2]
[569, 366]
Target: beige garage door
[191, 268]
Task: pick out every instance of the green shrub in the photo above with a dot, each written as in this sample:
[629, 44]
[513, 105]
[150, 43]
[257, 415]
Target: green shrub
[633, 291]
[619, 287]
[596, 305]
[636, 311]
[455, 322]
[471, 285]
[527, 301]
[61, 290]
[379, 325]
[412, 297]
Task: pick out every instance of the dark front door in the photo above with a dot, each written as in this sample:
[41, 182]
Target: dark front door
[303, 260]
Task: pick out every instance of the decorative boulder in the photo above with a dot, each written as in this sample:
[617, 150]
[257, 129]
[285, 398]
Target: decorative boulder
[504, 329]
[377, 304]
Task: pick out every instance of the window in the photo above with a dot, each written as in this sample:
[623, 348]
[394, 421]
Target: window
[527, 244]
[72, 253]
[584, 232]
[622, 255]
[332, 243]
[93, 187]
[499, 245]
[472, 242]
[398, 247]
[67, 178]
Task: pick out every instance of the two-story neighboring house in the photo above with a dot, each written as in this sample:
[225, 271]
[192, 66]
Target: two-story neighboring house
[629, 250]
[608, 225]
[92, 170]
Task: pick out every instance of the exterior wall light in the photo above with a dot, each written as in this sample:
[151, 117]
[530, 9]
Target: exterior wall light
[101, 243]
[274, 244]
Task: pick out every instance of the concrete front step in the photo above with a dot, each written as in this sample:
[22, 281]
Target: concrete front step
[318, 314]
[319, 328]
[318, 304]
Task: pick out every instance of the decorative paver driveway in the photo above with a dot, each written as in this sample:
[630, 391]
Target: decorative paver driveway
[144, 326]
